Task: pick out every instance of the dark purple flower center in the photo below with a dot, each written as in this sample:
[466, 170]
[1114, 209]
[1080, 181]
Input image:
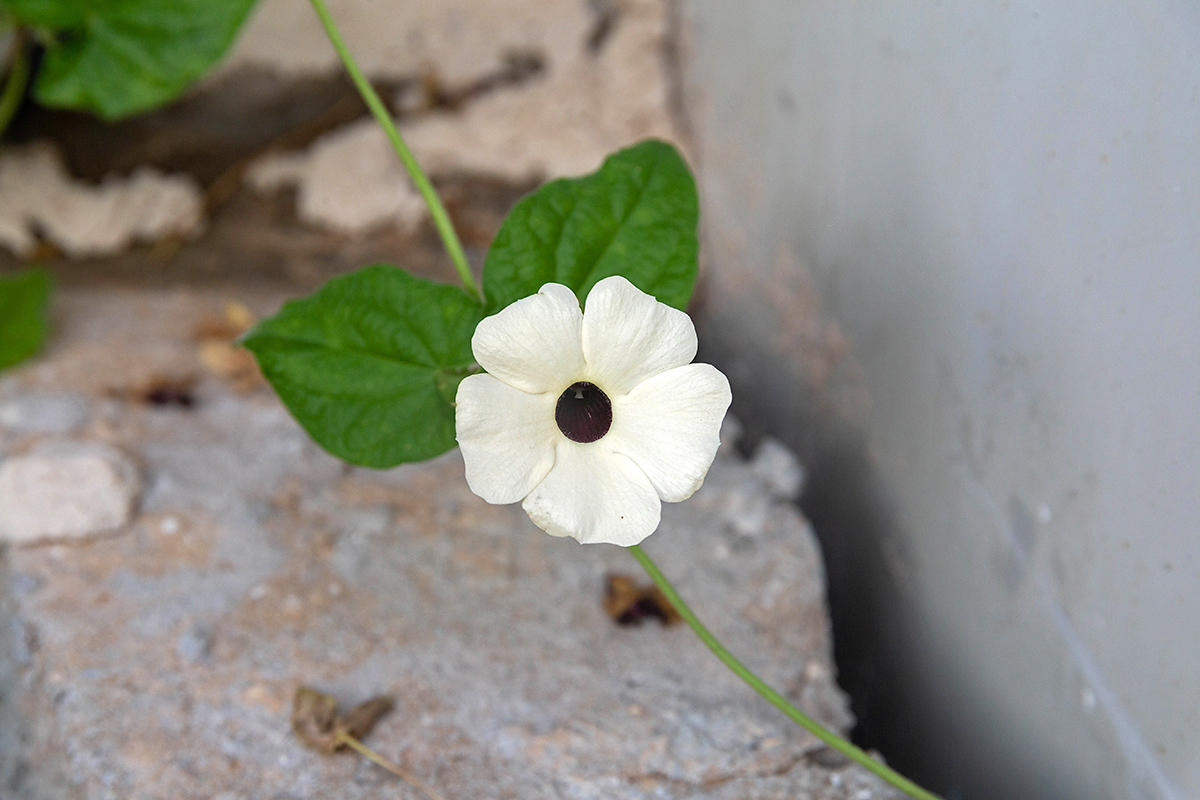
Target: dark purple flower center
[584, 413]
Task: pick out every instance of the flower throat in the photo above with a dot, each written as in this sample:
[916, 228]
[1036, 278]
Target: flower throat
[583, 413]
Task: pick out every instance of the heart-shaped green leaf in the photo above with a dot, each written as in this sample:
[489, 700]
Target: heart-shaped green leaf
[370, 363]
[635, 217]
[118, 57]
[23, 300]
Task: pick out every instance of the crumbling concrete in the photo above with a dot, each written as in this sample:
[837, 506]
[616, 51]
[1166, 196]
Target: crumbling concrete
[598, 82]
[39, 197]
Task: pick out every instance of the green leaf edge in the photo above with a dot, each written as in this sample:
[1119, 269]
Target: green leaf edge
[445, 377]
[570, 189]
[37, 284]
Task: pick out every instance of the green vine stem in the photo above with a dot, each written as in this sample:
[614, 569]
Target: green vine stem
[18, 79]
[773, 697]
[441, 219]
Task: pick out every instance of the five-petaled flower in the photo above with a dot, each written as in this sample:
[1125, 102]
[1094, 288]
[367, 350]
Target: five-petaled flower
[592, 417]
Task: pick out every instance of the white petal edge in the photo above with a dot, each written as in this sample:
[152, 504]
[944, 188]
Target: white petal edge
[629, 336]
[670, 426]
[595, 496]
[507, 437]
[534, 344]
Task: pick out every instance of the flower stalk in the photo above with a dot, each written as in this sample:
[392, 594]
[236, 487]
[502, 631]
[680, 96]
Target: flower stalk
[844, 747]
[441, 219]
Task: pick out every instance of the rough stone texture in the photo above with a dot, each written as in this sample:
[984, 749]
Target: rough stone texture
[461, 39]
[43, 413]
[38, 195]
[603, 84]
[349, 181]
[66, 490]
[161, 662]
[589, 103]
[778, 468]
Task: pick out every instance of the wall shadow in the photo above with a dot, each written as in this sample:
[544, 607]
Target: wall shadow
[907, 706]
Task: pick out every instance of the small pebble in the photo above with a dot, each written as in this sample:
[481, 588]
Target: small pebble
[195, 644]
[747, 510]
[65, 489]
[777, 467]
[815, 671]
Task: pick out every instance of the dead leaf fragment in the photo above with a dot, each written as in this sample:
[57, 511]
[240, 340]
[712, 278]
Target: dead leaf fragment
[232, 362]
[318, 725]
[159, 390]
[313, 718]
[220, 352]
[234, 320]
[629, 603]
[360, 719]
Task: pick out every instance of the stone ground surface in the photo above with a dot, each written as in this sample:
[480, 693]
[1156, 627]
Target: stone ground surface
[158, 659]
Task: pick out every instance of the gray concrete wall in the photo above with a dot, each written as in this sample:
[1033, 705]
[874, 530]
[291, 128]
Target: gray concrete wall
[954, 258]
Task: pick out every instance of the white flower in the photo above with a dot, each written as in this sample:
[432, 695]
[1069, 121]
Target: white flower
[592, 417]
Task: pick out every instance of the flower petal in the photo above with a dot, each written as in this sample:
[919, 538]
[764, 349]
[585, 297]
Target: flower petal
[507, 437]
[629, 336]
[534, 344]
[670, 426]
[594, 495]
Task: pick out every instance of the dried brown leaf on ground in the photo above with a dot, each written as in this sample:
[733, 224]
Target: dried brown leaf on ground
[221, 354]
[318, 725]
[314, 720]
[629, 603]
[156, 389]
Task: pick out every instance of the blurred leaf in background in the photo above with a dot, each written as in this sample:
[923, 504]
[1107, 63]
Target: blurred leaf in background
[24, 297]
[118, 57]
